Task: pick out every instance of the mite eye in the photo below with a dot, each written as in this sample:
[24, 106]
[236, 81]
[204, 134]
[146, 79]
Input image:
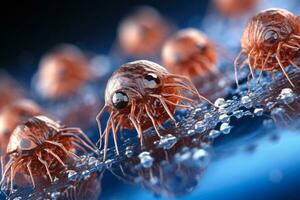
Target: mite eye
[27, 144]
[201, 46]
[151, 80]
[271, 37]
[120, 100]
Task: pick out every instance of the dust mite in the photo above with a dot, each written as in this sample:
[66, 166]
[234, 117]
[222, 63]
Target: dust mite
[189, 53]
[142, 32]
[233, 8]
[142, 94]
[271, 41]
[12, 115]
[39, 146]
[62, 72]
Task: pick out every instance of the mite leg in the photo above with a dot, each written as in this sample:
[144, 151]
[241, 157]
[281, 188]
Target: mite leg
[61, 146]
[55, 156]
[152, 120]
[99, 124]
[163, 102]
[284, 72]
[30, 173]
[45, 165]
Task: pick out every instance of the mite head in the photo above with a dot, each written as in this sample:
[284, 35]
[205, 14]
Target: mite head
[268, 28]
[30, 134]
[134, 81]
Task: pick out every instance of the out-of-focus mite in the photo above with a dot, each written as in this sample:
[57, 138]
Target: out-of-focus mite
[142, 94]
[190, 53]
[12, 115]
[234, 8]
[62, 72]
[143, 32]
[10, 90]
[271, 41]
[39, 146]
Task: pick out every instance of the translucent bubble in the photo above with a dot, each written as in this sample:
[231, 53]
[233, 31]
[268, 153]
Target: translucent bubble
[214, 134]
[246, 101]
[184, 155]
[238, 114]
[129, 151]
[225, 128]
[201, 157]
[287, 95]
[72, 175]
[224, 118]
[55, 195]
[167, 142]
[258, 111]
[220, 102]
[86, 174]
[200, 127]
[146, 159]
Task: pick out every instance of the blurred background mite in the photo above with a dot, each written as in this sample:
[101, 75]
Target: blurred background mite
[234, 8]
[66, 73]
[143, 32]
[190, 53]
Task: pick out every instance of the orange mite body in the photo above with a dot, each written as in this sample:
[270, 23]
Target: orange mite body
[189, 53]
[39, 146]
[271, 41]
[235, 8]
[142, 94]
[62, 72]
[10, 90]
[143, 32]
[12, 115]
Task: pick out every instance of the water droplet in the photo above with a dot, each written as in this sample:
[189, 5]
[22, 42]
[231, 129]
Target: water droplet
[287, 95]
[85, 174]
[184, 155]
[214, 134]
[224, 118]
[201, 157]
[220, 102]
[92, 161]
[258, 111]
[129, 151]
[168, 141]
[246, 101]
[200, 127]
[72, 175]
[225, 128]
[238, 114]
[55, 195]
[146, 159]
[190, 132]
